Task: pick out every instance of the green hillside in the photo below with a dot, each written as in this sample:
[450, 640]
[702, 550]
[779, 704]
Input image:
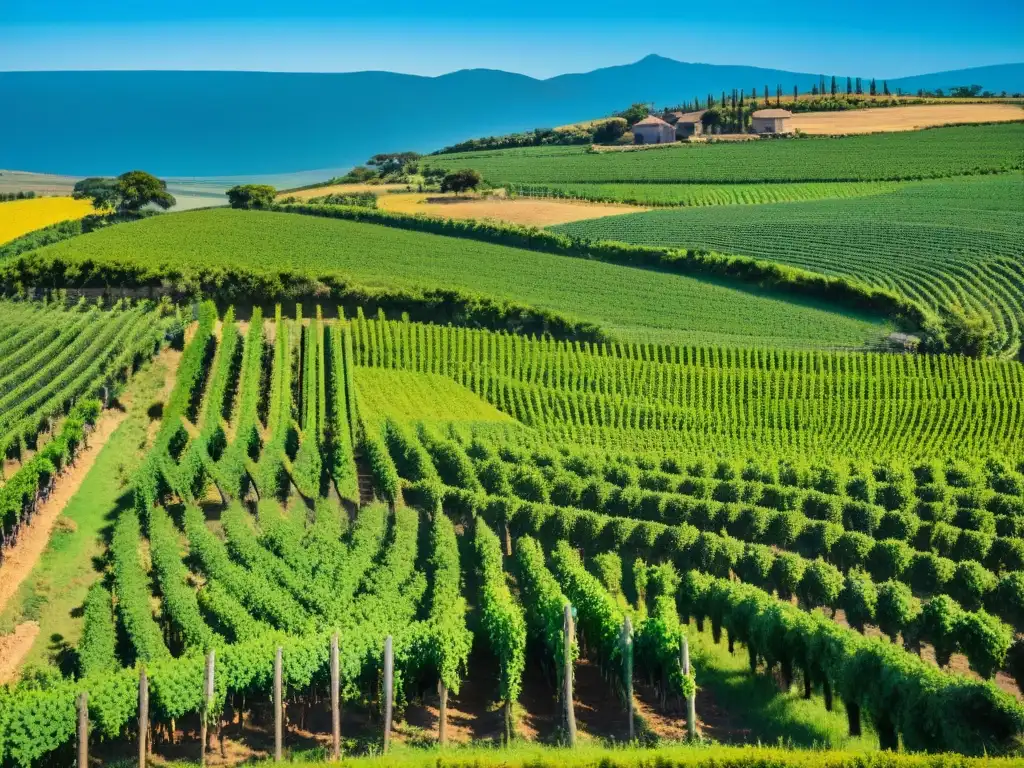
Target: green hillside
[892, 156]
[953, 241]
[633, 303]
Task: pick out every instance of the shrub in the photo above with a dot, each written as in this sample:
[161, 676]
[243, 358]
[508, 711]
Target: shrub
[859, 599]
[897, 525]
[821, 585]
[493, 477]
[985, 640]
[1008, 598]
[929, 573]
[851, 550]
[528, 484]
[888, 559]
[566, 489]
[755, 565]
[938, 623]
[861, 516]
[970, 584]
[972, 545]
[896, 608]
[787, 571]
[1006, 554]
[251, 196]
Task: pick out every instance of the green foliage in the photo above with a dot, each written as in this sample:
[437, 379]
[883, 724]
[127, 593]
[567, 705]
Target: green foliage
[502, 620]
[251, 196]
[859, 600]
[96, 649]
[461, 180]
[857, 245]
[985, 640]
[896, 608]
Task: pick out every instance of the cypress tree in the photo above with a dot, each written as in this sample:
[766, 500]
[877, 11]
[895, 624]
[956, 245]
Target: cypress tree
[874, 89]
[766, 94]
[796, 93]
[833, 85]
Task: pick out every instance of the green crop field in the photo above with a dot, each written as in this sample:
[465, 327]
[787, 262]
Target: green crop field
[628, 302]
[639, 193]
[954, 241]
[325, 483]
[892, 156]
[438, 499]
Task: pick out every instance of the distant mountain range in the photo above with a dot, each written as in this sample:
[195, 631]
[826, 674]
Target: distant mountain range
[258, 123]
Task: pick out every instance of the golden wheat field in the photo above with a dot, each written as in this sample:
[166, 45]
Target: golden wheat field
[528, 212]
[20, 217]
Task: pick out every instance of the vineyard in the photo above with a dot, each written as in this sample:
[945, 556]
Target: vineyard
[954, 242]
[59, 365]
[934, 153]
[696, 195]
[370, 263]
[391, 512]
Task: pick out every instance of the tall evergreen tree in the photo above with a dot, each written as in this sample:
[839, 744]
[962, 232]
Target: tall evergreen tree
[885, 88]
[849, 86]
[874, 89]
[778, 95]
[860, 88]
[796, 93]
[766, 94]
[833, 85]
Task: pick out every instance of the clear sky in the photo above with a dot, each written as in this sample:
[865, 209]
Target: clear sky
[883, 38]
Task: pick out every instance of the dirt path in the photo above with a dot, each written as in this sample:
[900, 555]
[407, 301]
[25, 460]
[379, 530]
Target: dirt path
[21, 558]
[13, 648]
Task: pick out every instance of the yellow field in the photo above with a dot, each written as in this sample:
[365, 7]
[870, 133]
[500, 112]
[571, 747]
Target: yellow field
[530, 212]
[878, 119]
[20, 217]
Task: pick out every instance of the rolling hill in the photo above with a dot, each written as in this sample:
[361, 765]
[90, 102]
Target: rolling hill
[230, 123]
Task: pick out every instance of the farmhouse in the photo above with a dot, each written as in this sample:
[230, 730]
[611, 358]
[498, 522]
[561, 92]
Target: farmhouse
[772, 121]
[653, 130]
[687, 124]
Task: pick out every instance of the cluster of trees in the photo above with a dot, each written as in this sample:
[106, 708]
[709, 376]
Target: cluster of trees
[127, 194]
[7, 197]
[462, 180]
[251, 196]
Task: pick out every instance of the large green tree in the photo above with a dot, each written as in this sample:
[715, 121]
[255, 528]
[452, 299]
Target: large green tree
[251, 196]
[128, 193]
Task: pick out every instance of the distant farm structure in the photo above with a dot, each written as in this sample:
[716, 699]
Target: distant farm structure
[653, 130]
[772, 121]
[687, 124]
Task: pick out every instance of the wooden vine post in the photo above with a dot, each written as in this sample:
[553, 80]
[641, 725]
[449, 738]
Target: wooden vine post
[442, 718]
[389, 679]
[570, 712]
[83, 729]
[143, 715]
[627, 669]
[205, 714]
[335, 700]
[278, 708]
[691, 698]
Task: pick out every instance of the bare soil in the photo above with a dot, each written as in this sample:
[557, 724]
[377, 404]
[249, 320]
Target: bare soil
[877, 119]
[530, 212]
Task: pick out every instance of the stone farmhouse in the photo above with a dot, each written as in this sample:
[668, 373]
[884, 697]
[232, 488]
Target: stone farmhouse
[772, 121]
[687, 124]
[653, 130]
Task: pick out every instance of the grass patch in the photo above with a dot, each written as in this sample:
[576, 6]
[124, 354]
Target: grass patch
[634, 303]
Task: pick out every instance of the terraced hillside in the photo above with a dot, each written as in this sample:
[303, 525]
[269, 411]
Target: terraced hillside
[942, 243]
[237, 252]
[242, 536]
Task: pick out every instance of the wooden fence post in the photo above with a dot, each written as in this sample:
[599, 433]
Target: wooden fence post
[278, 708]
[442, 719]
[570, 712]
[389, 664]
[627, 671]
[691, 700]
[335, 700]
[83, 729]
[204, 715]
[143, 715]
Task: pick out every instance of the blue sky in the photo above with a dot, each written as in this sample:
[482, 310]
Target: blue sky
[891, 38]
